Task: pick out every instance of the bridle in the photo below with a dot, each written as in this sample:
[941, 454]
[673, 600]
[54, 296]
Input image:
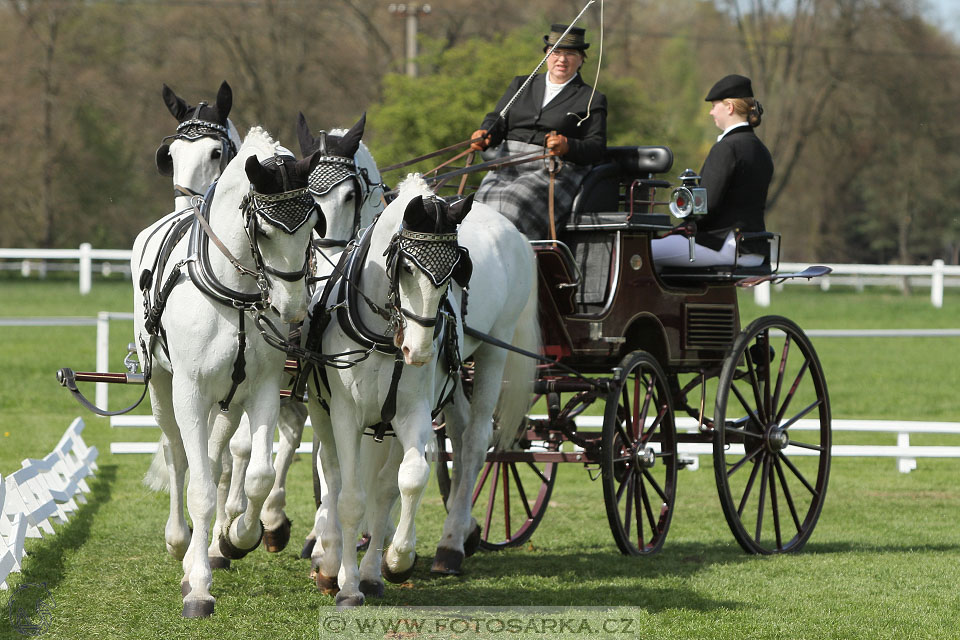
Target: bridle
[287, 211]
[436, 255]
[191, 130]
[331, 170]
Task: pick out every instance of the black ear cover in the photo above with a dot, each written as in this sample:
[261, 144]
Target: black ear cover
[164, 160]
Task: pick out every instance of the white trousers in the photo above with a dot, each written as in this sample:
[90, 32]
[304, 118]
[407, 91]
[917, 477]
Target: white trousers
[674, 251]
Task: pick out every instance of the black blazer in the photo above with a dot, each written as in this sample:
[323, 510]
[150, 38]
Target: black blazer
[526, 122]
[736, 174]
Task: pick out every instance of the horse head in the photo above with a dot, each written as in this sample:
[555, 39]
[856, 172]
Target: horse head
[423, 258]
[338, 186]
[280, 216]
[205, 141]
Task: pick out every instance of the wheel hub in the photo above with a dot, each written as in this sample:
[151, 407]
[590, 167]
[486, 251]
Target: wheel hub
[645, 458]
[777, 438]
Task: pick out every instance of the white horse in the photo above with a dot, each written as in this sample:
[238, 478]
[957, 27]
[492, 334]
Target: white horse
[204, 351]
[404, 266]
[346, 186]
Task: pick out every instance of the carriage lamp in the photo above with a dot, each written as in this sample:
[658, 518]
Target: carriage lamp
[690, 198]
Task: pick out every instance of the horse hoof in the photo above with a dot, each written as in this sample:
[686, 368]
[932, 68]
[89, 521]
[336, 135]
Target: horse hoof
[307, 550]
[219, 562]
[326, 586]
[275, 541]
[349, 602]
[372, 588]
[396, 578]
[447, 562]
[197, 608]
[472, 543]
[232, 552]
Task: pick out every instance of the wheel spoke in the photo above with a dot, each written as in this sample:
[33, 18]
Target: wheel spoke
[805, 445]
[748, 488]
[742, 432]
[781, 373]
[483, 480]
[520, 491]
[754, 378]
[793, 390]
[786, 495]
[629, 505]
[537, 471]
[491, 501]
[506, 501]
[774, 507]
[656, 423]
[743, 402]
[813, 405]
[767, 407]
[799, 475]
[655, 485]
[623, 484]
[638, 495]
[761, 498]
[649, 510]
[742, 461]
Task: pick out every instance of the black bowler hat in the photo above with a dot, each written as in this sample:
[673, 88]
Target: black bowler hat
[573, 40]
[732, 86]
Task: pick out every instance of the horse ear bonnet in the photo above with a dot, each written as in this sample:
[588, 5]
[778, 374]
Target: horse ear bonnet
[164, 160]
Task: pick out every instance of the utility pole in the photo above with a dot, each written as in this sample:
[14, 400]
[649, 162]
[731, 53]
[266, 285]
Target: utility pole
[411, 12]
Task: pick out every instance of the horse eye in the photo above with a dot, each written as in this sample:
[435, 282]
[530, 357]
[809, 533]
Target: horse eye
[216, 154]
[350, 196]
[407, 268]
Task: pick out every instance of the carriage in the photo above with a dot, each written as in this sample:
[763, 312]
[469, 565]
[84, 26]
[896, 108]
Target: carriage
[649, 368]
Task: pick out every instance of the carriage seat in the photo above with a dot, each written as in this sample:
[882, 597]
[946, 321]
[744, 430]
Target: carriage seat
[728, 273]
[598, 211]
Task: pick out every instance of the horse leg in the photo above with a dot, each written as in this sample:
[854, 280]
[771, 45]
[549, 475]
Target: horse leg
[192, 417]
[245, 532]
[222, 427]
[276, 535]
[413, 430]
[177, 531]
[326, 554]
[450, 550]
[460, 525]
[381, 462]
[350, 502]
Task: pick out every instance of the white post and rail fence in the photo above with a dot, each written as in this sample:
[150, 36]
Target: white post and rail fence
[936, 276]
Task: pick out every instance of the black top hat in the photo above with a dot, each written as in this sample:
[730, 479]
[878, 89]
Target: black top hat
[573, 40]
[732, 86]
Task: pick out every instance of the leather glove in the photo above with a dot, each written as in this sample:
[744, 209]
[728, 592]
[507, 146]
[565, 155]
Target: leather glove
[480, 145]
[557, 144]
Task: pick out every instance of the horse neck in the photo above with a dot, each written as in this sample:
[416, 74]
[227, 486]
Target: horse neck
[373, 276]
[226, 221]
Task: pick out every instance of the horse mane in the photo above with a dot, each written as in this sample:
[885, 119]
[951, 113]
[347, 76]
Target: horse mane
[259, 142]
[412, 186]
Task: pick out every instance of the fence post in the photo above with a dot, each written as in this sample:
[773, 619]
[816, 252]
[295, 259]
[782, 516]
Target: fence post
[936, 284]
[761, 294]
[103, 348]
[85, 267]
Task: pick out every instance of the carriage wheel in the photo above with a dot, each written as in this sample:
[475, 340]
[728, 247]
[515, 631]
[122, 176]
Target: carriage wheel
[639, 456]
[772, 456]
[513, 495]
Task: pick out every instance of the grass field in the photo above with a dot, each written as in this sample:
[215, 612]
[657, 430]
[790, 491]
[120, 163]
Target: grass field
[882, 562]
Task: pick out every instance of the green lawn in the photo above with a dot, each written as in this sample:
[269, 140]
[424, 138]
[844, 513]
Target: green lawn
[882, 562]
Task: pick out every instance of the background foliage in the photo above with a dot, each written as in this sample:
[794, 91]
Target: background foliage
[859, 98]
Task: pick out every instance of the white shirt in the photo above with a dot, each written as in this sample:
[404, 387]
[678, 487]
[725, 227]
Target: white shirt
[551, 90]
[731, 128]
